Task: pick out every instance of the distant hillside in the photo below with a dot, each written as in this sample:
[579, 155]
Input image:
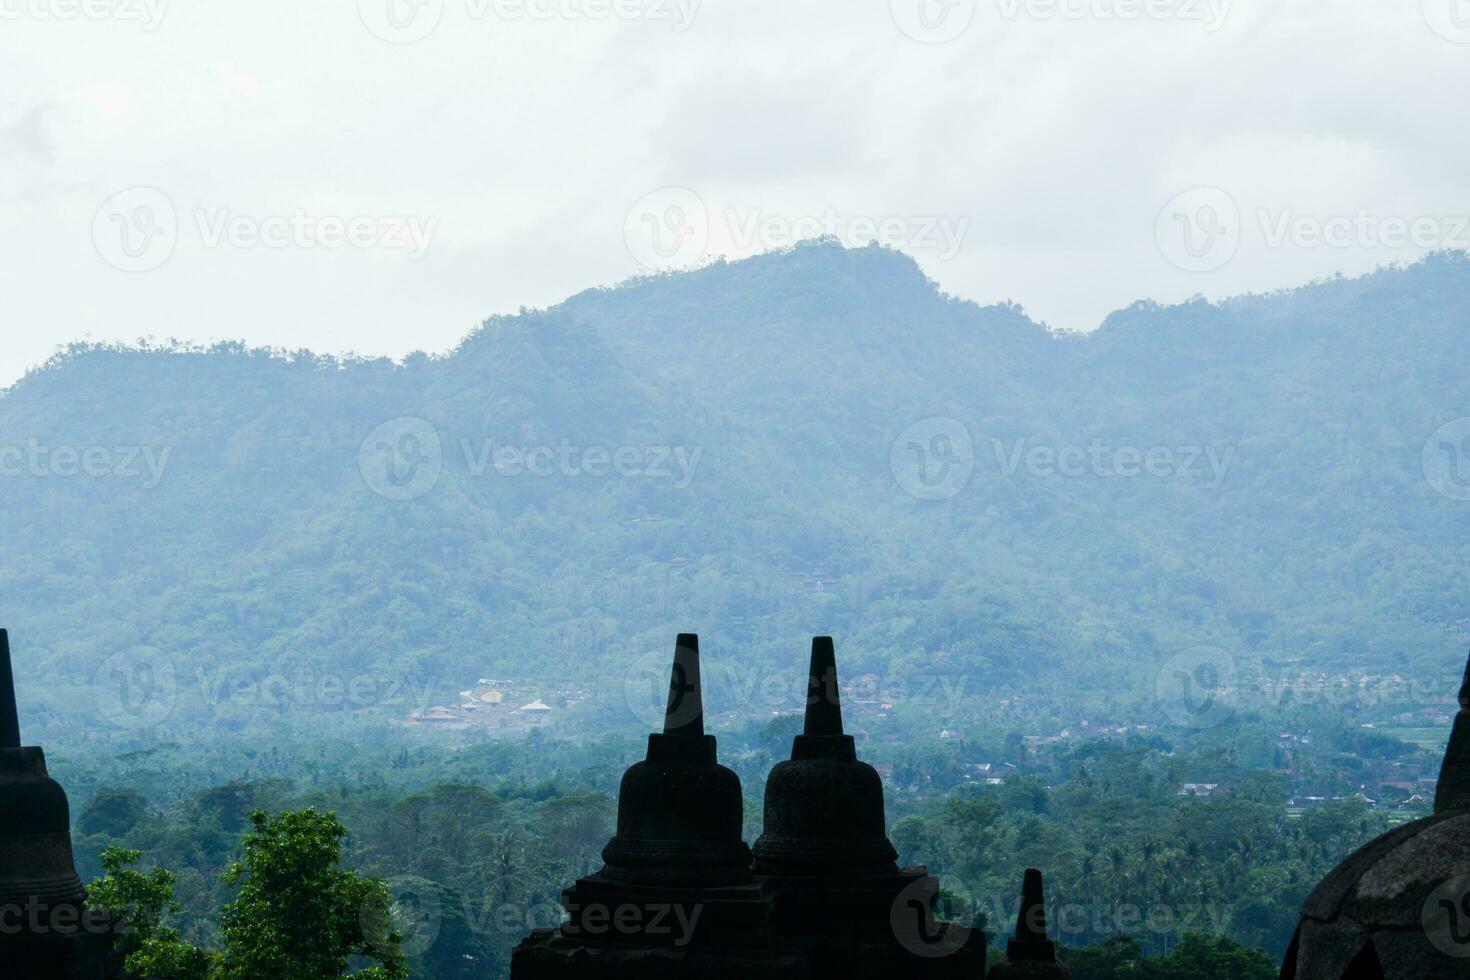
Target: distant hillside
[740, 422]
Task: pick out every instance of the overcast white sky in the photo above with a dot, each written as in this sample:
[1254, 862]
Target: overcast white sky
[380, 175]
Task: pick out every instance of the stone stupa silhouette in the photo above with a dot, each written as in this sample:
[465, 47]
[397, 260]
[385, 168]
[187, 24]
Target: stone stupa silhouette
[819, 898]
[1399, 907]
[48, 930]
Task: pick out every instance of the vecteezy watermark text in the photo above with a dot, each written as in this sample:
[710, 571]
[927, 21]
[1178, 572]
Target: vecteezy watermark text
[1204, 687]
[670, 919]
[41, 918]
[301, 229]
[403, 459]
[673, 227]
[1076, 923]
[757, 692]
[676, 463]
[1363, 229]
[139, 688]
[146, 13]
[407, 21]
[138, 229]
[32, 459]
[1211, 14]
[757, 229]
[934, 459]
[939, 21]
[1202, 229]
[1101, 459]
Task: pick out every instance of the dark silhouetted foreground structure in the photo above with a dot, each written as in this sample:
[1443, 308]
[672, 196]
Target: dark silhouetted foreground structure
[682, 896]
[45, 928]
[1399, 908]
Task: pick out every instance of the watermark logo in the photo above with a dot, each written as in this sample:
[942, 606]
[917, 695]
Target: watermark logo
[667, 229]
[135, 688]
[1446, 459]
[933, 458]
[932, 21]
[915, 928]
[146, 13]
[646, 689]
[1450, 19]
[1446, 917]
[656, 696]
[401, 21]
[401, 459]
[136, 230]
[413, 913]
[1197, 688]
[1199, 230]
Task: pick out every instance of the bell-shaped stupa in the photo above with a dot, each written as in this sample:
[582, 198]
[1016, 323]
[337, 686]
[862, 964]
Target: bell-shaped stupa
[828, 868]
[824, 808]
[680, 812]
[676, 895]
[1399, 907]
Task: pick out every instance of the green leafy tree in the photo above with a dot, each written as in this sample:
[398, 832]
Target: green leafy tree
[113, 812]
[1197, 958]
[144, 900]
[298, 915]
[1215, 958]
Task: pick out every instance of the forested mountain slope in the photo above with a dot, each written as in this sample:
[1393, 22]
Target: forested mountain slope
[720, 450]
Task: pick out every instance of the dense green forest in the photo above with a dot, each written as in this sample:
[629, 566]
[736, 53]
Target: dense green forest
[733, 450]
[476, 845]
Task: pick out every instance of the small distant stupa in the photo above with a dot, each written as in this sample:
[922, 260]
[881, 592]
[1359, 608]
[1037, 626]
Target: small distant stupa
[49, 933]
[1031, 955]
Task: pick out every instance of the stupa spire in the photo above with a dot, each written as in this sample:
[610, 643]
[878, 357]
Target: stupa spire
[823, 704]
[684, 714]
[1453, 792]
[9, 719]
[1031, 919]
